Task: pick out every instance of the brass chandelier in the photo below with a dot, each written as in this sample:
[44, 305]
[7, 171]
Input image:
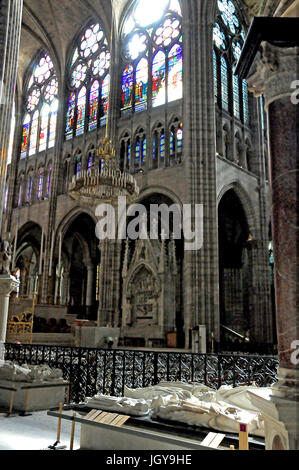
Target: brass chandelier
[104, 182]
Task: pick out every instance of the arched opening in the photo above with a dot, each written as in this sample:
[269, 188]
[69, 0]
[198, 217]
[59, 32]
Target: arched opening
[77, 270]
[27, 258]
[234, 272]
[152, 278]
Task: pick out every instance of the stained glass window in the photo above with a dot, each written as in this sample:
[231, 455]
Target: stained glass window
[172, 143]
[40, 185]
[144, 150]
[42, 92]
[180, 139]
[70, 118]
[245, 101]
[224, 84]
[81, 109]
[219, 37]
[33, 133]
[215, 76]
[53, 123]
[94, 105]
[129, 155]
[105, 100]
[43, 136]
[175, 73]
[90, 80]
[162, 145]
[127, 88]
[90, 163]
[228, 30]
[78, 166]
[49, 180]
[236, 93]
[137, 154]
[159, 79]
[228, 10]
[152, 50]
[25, 136]
[141, 86]
[29, 189]
[237, 49]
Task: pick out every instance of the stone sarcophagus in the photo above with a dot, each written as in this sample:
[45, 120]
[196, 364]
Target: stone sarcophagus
[149, 291]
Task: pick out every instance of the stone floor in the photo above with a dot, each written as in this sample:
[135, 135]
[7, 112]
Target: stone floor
[34, 432]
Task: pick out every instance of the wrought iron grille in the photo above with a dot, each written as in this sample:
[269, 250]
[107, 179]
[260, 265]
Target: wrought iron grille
[92, 371]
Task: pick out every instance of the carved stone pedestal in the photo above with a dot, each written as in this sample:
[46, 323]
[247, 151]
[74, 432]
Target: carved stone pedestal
[281, 412]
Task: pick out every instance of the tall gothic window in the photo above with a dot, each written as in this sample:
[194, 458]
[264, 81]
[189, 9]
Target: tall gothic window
[153, 56]
[89, 82]
[229, 36]
[41, 102]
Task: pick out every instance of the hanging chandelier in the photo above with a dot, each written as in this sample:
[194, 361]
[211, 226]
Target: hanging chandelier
[104, 182]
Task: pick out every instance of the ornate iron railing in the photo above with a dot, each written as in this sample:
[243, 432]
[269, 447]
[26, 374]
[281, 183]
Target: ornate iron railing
[92, 371]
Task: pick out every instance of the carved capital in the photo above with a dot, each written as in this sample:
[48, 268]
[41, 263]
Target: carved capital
[8, 284]
[274, 72]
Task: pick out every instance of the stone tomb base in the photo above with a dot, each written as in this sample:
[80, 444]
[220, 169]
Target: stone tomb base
[102, 437]
[24, 396]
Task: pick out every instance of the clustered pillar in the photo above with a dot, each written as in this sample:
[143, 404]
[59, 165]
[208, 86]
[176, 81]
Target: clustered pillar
[10, 33]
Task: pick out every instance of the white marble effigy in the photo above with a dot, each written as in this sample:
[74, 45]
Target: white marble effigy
[12, 372]
[193, 404]
[129, 406]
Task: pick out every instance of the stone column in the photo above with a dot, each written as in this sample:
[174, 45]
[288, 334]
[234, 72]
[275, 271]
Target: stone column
[275, 76]
[10, 33]
[89, 287]
[201, 270]
[109, 300]
[7, 285]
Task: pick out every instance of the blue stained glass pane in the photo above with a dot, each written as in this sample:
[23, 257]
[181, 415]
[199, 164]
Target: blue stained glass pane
[224, 84]
[162, 146]
[78, 166]
[90, 163]
[144, 149]
[137, 154]
[49, 182]
[29, 189]
[172, 144]
[127, 88]
[236, 92]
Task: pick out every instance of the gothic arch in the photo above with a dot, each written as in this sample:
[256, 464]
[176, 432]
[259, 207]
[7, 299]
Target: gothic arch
[245, 200]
